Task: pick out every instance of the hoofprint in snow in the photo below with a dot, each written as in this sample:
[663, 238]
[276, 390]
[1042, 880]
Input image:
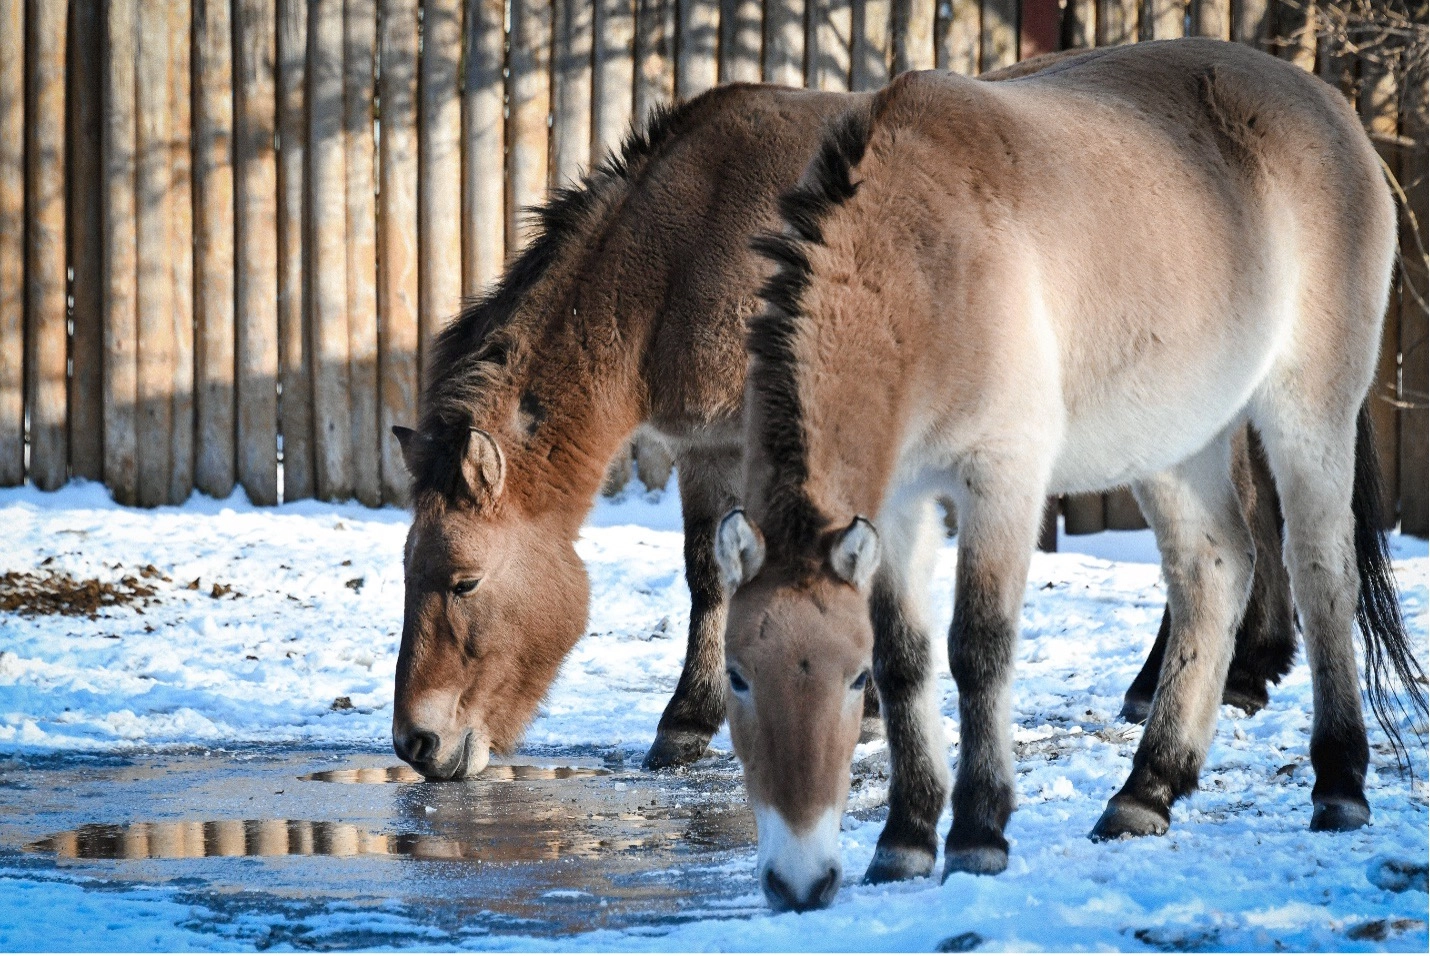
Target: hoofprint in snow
[262, 619]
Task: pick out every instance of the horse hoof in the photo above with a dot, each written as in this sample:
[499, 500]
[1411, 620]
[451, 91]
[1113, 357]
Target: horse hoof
[1248, 700]
[675, 749]
[1339, 816]
[1127, 819]
[891, 864]
[978, 860]
[871, 728]
[1136, 709]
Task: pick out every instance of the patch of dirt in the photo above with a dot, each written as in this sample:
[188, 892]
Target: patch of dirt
[54, 592]
[1378, 930]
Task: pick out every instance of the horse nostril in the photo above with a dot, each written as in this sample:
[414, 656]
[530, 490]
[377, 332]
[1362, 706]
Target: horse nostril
[823, 892]
[418, 746]
[778, 892]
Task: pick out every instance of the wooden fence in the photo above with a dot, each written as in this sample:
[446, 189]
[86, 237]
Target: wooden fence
[229, 230]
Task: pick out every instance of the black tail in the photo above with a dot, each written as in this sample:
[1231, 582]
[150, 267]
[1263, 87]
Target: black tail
[1388, 657]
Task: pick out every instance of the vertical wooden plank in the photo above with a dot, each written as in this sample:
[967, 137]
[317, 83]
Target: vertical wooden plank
[155, 243]
[256, 237]
[327, 251]
[12, 242]
[1167, 20]
[294, 352]
[1211, 18]
[121, 308]
[1414, 427]
[999, 35]
[1380, 112]
[1083, 514]
[214, 468]
[46, 345]
[913, 34]
[655, 56]
[1116, 23]
[397, 234]
[742, 28]
[698, 58]
[1251, 21]
[1039, 28]
[869, 56]
[484, 132]
[181, 262]
[613, 81]
[1121, 511]
[571, 91]
[1079, 24]
[359, 62]
[958, 37]
[784, 42]
[86, 93]
[530, 98]
[828, 42]
[439, 180]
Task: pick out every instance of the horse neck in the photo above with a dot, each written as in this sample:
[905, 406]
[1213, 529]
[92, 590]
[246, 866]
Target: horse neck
[582, 376]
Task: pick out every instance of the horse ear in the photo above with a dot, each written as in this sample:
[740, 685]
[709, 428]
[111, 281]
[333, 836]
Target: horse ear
[412, 443]
[484, 465]
[855, 554]
[739, 549]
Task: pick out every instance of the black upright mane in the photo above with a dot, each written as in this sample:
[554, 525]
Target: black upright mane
[478, 348]
[793, 522]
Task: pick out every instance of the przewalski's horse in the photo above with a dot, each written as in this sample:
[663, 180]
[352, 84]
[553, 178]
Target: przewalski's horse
[630, 306]
[939, 322]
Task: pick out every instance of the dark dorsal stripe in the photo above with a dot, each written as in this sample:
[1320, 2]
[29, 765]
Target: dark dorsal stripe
[793, 522]
[476, 352]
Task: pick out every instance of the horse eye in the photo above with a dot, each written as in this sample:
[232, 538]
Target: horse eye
[860, 682]
[737, 683]
[465, 587]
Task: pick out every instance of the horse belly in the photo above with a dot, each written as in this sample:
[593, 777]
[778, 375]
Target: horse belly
[1158, 417]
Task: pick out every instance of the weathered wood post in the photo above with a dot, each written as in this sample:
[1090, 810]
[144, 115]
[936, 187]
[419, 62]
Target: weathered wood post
[12, 242]
[359, 64]
[295, 371]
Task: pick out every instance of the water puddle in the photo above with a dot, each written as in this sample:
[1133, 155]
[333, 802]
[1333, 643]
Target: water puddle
[554, 845]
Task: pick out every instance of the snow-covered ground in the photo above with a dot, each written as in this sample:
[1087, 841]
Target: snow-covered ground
[260, 619]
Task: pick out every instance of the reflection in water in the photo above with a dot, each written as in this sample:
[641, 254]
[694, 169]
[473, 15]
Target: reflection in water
[493, 772]
[168, 841]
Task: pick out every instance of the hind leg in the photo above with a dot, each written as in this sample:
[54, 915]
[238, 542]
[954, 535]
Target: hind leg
[1314, 464]
[1266, 639]
[1207, 560]
[697, 708]
[904, 675]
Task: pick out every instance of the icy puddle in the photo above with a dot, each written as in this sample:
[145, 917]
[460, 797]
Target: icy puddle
[552, 842]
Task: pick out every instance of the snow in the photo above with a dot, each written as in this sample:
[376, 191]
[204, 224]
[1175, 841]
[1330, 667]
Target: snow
[314, 614]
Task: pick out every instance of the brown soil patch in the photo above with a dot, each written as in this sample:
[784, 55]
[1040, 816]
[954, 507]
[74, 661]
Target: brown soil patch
[32, 595]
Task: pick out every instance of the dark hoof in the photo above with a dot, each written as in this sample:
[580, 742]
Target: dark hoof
[1123, 818]
[1339, 815]
[1136, 709]
[978, 860]
[676, 749]
[891, 864]
[1249, 700]
[871, 728]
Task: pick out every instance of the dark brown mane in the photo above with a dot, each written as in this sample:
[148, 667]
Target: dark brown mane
[479, 350]
[793, 522]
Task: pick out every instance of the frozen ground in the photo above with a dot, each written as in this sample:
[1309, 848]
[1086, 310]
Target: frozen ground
[244, 628]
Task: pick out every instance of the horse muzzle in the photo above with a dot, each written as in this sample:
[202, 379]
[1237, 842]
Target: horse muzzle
[799, 870]
[423, 750]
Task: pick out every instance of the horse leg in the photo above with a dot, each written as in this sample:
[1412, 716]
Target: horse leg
[999, 518]
[1314, 464]
[1266, 639]
[697, 708]
[903, 671]
[1207, 559]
